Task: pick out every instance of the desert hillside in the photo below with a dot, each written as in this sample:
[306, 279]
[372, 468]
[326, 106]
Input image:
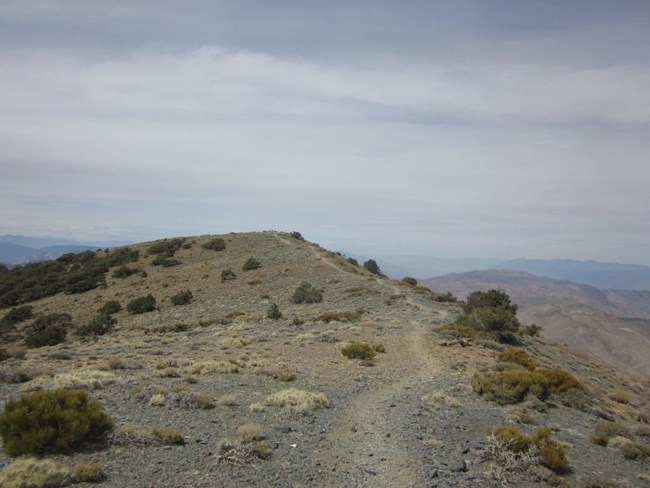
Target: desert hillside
[608, 325]
[217, 387]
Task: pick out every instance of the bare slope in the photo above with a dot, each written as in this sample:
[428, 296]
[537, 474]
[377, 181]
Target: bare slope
[409, 418]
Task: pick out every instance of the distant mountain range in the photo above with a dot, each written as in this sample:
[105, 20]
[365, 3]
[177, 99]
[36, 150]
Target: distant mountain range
[611, 325]
[16, 249]
[594, 273]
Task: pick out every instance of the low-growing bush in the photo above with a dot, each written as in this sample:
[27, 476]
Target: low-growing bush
[165, 261]
[552, 454]
[359, 350]
[410, 281]
[124, 272]
[4, 354]
[182, 298]
[166, 246]
[170, 437]
[445, 297]
[48, 330]
[347, 316]
[372, 266]
[635, 452]
[251, 264]
[297, 235]
[517, 356]
[141, 305]
[89, 472]
[29, 472]
[300, 400]
[100, 325]
[227, 275]
[51, 421]
[109, 308]
[15, 316]
[352, 261]
[217, 244]
[306, 293]
[605, 430]
[273, 312]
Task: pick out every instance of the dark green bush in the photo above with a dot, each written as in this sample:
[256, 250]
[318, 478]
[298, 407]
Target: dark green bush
[353, 261]
[141, 305]
[51, 421]
[251, 263]
[48, 330]
[166, 246]
[182, 297]
[15, 316]
[492, 299]
[297, 235]
[410, 281]
[372, 266]
[165, 261]
[227, 275]
[124, 272]
[100, 325]
[273, 312]
[446, 297]
[109, 308]
[359, 350]
[306, 293]
[217, 244]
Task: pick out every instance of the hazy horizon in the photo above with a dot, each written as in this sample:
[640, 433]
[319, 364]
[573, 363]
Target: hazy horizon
[495, 129]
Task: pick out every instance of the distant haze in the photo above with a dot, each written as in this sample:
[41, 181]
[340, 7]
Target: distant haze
[457, 128]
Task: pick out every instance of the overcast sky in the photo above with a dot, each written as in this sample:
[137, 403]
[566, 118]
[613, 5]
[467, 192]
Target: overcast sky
[460, 128]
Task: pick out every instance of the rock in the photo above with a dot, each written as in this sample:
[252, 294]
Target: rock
[433, 473]
[459, 466]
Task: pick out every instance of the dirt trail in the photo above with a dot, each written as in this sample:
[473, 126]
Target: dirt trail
[370, 443]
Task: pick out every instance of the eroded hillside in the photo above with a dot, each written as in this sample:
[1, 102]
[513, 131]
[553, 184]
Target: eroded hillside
[215, 393]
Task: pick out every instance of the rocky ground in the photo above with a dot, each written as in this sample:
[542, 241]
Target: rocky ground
[408, 418]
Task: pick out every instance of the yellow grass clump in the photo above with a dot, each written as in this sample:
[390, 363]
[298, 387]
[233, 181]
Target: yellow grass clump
[300, 400]
[35, 473]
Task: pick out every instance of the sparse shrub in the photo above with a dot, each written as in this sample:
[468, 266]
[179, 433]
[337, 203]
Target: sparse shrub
[51, 420]
[182, 297]
[251, 264]
[516, 440]
[109, 308]
[410, 281]
[141, 305]
[595, 482]
[4, 354]
[227, 275]
[532, 330]
[15, 316]
[29, 472]
[372, 266]
[300, 400]
[100, 325]
[217, 244]
[249, 432]
[124, 272]
[165, 261]
[297, 321]
[273, 312]
[348, 315]
[492, 299]
[446, 297]
[517, 356]
[48, 330]
[89, 472]
[158, 400]
[169, 437]
[606, 430]
[359, 350]
[635, 452]
[228, 399]
[166, 246]
[297, 235]
[353, 261]
[306, 293]
[379, 348]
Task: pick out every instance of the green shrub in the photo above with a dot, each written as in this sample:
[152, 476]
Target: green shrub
[4, 354]
[48, 330]
[166, 246]
[494, 319]
[124, 272]
[635, 452]
[141, 305]
[273, 312]
[372, 266]
[551, 453]
[410, 281]
[227, 275]
[165, 261]
[15, 316]
[297, 235]
[359, 350]
[353, 261]
[51, 421]
[182, 298]
[517, 356]
[532, 330]
[251, 263]
[492, 299]
[109, 308]
[306, 293]
[446, 297]
[217, 244]
[100, 325]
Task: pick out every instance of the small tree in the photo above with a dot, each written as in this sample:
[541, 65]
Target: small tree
[372, 266]
[273, 312]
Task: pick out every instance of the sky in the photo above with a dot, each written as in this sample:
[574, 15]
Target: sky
[460, 128]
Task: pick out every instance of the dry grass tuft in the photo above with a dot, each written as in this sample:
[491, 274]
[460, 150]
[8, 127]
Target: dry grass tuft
[439, 399]
[89, 472]
[606, 430]
[158, 400]
[207, 367]
[249, 432]
[228, 399]
[299, 400]
[346, 316]
[28, 472]
[169, 437]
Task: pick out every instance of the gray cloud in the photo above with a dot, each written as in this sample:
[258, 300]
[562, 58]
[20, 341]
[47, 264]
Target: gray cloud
[440, 127]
